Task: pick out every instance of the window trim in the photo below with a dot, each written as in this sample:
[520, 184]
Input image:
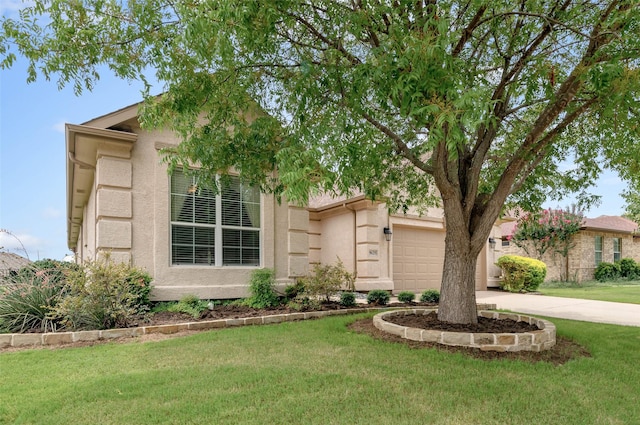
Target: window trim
[219, 227]
[596, 251]
[619, 251]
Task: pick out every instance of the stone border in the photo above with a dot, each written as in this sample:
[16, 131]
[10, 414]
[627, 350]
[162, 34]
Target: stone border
[59, 338]
[539, 340]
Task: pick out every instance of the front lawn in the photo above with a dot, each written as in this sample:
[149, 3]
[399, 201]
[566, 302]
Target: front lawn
[622, 291]
[319, 372]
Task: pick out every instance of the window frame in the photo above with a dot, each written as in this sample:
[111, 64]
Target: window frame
[598, 258]
[617, 253]
[251, 209]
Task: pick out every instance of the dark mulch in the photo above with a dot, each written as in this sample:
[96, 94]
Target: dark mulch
[484, 325]
[241, 311]
[564, 350]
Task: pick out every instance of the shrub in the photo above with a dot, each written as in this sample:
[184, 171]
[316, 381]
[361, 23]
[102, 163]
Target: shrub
[29, 297]
[378, 297]
[521, 274]
[406, 297]
[629, 269]
[326, 281]
[261, 286]
[103, 295]
[430, 296]
[304, 303]
[347, 299]
[607, 271]
[292, 291]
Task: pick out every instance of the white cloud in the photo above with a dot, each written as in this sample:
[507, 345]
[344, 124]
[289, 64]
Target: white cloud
[19, 243]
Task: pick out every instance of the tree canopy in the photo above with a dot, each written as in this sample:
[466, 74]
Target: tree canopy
[489, 102]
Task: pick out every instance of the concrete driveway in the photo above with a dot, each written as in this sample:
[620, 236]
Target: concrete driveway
[564, 308]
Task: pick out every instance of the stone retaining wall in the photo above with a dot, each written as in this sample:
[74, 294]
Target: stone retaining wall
[59, 338]
[539, 340]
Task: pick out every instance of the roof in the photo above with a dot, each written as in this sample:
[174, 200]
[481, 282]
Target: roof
[609, 223]
[612, 223]
[11, 261]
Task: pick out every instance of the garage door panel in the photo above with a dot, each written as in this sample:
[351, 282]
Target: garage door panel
[418, 258]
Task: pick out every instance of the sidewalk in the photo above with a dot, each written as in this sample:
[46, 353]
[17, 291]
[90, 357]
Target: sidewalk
[564, 308]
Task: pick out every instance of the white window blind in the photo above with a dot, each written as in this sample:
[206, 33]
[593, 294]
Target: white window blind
[217, 230]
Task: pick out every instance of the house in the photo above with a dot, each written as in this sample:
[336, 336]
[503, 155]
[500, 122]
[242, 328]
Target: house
[11, 263]
[605, 238]
[121, 200]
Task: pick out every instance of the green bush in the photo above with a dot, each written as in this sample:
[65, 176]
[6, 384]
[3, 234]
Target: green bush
[327, 281]
[29, 297]
[104, 295]
[521, 274]
[347, 299]
[430, 296]
[406, 297]
[607, 271]
[378, 297]
[292, 291]
[629, 269]
[261, 286]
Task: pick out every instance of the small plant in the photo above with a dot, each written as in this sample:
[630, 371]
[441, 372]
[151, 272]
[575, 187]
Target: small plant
[406, 297]
[378, 297]
[292, 291]
[430, 296]
[261, 285]
[328, 280]
[189, 304]
[347, 299]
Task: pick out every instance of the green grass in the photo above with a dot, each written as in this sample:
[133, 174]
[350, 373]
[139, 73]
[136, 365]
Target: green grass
[318, 372]
[621, 291]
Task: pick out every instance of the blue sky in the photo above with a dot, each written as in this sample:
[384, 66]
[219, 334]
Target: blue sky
[32, 155]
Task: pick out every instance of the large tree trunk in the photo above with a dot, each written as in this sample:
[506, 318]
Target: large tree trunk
[458, 292]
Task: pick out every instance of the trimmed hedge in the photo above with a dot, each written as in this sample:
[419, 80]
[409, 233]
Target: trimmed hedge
[627, 268]
[521, 274]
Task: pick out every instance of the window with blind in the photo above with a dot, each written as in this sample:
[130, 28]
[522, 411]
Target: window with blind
[216, 230]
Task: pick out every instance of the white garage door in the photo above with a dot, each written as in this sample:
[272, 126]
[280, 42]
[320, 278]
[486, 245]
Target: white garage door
[418, 255]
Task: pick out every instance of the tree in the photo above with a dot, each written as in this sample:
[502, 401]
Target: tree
[469, 104]
[548, 231]
[632, 204]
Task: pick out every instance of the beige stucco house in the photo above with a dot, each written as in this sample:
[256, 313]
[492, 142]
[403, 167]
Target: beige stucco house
[121, 200]
[601, 239]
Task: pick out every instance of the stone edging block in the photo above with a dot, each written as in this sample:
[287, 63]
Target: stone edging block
[57, 338]
[540, 340]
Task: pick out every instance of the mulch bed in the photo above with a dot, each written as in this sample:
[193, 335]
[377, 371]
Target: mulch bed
[484, 325]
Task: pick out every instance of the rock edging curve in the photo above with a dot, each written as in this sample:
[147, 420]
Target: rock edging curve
[540, 340]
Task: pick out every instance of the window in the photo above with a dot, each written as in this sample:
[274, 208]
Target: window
[598, 244]
[617, 249]
[210, 229]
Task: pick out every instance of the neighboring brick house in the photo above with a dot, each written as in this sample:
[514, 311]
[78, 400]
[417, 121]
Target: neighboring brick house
[605, 238]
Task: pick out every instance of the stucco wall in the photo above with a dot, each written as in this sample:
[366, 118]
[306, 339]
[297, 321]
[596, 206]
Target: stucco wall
[128, 216]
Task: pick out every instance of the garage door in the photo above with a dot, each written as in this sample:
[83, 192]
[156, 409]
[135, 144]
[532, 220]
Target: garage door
[418, 255]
